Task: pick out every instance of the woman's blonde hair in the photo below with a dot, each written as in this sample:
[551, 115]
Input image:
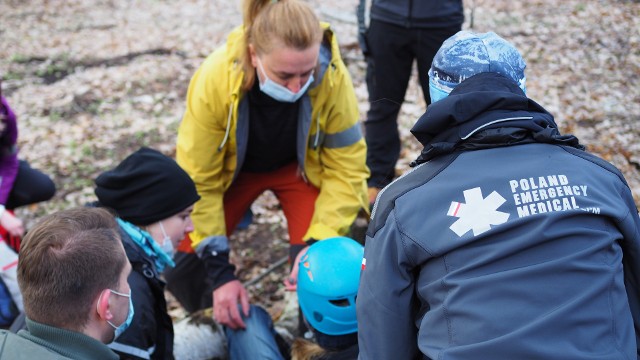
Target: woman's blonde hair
[269, 24]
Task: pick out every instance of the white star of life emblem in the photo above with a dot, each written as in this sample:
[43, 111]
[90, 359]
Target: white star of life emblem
[478, 214]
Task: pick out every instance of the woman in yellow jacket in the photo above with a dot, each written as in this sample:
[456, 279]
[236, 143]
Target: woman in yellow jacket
[271, 109]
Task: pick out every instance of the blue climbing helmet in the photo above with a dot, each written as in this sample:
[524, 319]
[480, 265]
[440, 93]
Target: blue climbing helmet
[328, 281]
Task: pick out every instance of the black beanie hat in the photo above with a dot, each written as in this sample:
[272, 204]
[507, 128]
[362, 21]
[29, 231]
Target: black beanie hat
[146, 187]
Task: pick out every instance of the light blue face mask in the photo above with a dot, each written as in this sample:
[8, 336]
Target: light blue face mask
[167, 244]
[436, 93]
[279, 92]
[120, 329]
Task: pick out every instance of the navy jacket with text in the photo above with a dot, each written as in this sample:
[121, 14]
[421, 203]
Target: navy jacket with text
[506, 241]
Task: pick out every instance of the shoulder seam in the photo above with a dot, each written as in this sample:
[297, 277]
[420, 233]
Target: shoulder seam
[386, 203]
[605, 165]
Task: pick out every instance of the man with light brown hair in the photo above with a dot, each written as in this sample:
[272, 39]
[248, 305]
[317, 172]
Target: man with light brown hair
[72, 272]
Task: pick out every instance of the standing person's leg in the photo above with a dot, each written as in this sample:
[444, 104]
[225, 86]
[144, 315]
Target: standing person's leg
[428, 42]
[31, 186]
[388, 71]
[188, 281]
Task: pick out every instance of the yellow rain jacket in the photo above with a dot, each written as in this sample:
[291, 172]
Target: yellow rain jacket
[212, 140]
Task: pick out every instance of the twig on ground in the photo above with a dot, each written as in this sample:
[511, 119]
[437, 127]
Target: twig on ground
[267, 271]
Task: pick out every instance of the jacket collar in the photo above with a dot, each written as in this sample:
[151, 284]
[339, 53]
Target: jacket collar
[141, 248]
[72, 344]
[475, 111]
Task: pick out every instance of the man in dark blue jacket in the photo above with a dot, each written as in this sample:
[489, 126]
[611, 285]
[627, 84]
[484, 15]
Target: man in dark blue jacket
[507, 240]
[400, 31]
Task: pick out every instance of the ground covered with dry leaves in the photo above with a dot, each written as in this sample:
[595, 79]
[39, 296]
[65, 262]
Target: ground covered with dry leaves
[91, 81]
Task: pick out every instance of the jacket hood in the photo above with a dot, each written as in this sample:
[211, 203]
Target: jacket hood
[487, 108]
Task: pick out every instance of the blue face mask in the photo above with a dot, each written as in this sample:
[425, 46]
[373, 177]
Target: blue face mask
[279, 92]
[120, 329]
[436, 93]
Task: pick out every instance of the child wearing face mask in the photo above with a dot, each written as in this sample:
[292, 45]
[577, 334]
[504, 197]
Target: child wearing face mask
[152, 198]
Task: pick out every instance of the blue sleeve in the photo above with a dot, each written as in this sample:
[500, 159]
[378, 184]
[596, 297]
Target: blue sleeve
[386, 305]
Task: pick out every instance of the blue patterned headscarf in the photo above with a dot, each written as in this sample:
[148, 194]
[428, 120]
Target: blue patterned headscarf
[466, 54]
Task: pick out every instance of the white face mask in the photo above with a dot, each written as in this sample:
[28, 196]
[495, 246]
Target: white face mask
[167, 244]
[279, 92]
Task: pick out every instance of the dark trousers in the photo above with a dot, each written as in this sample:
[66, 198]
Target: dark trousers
[31, 186]
[392, 50]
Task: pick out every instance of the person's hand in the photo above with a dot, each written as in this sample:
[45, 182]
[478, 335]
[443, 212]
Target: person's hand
[290, 283]
[12, 224]
[225, 304]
